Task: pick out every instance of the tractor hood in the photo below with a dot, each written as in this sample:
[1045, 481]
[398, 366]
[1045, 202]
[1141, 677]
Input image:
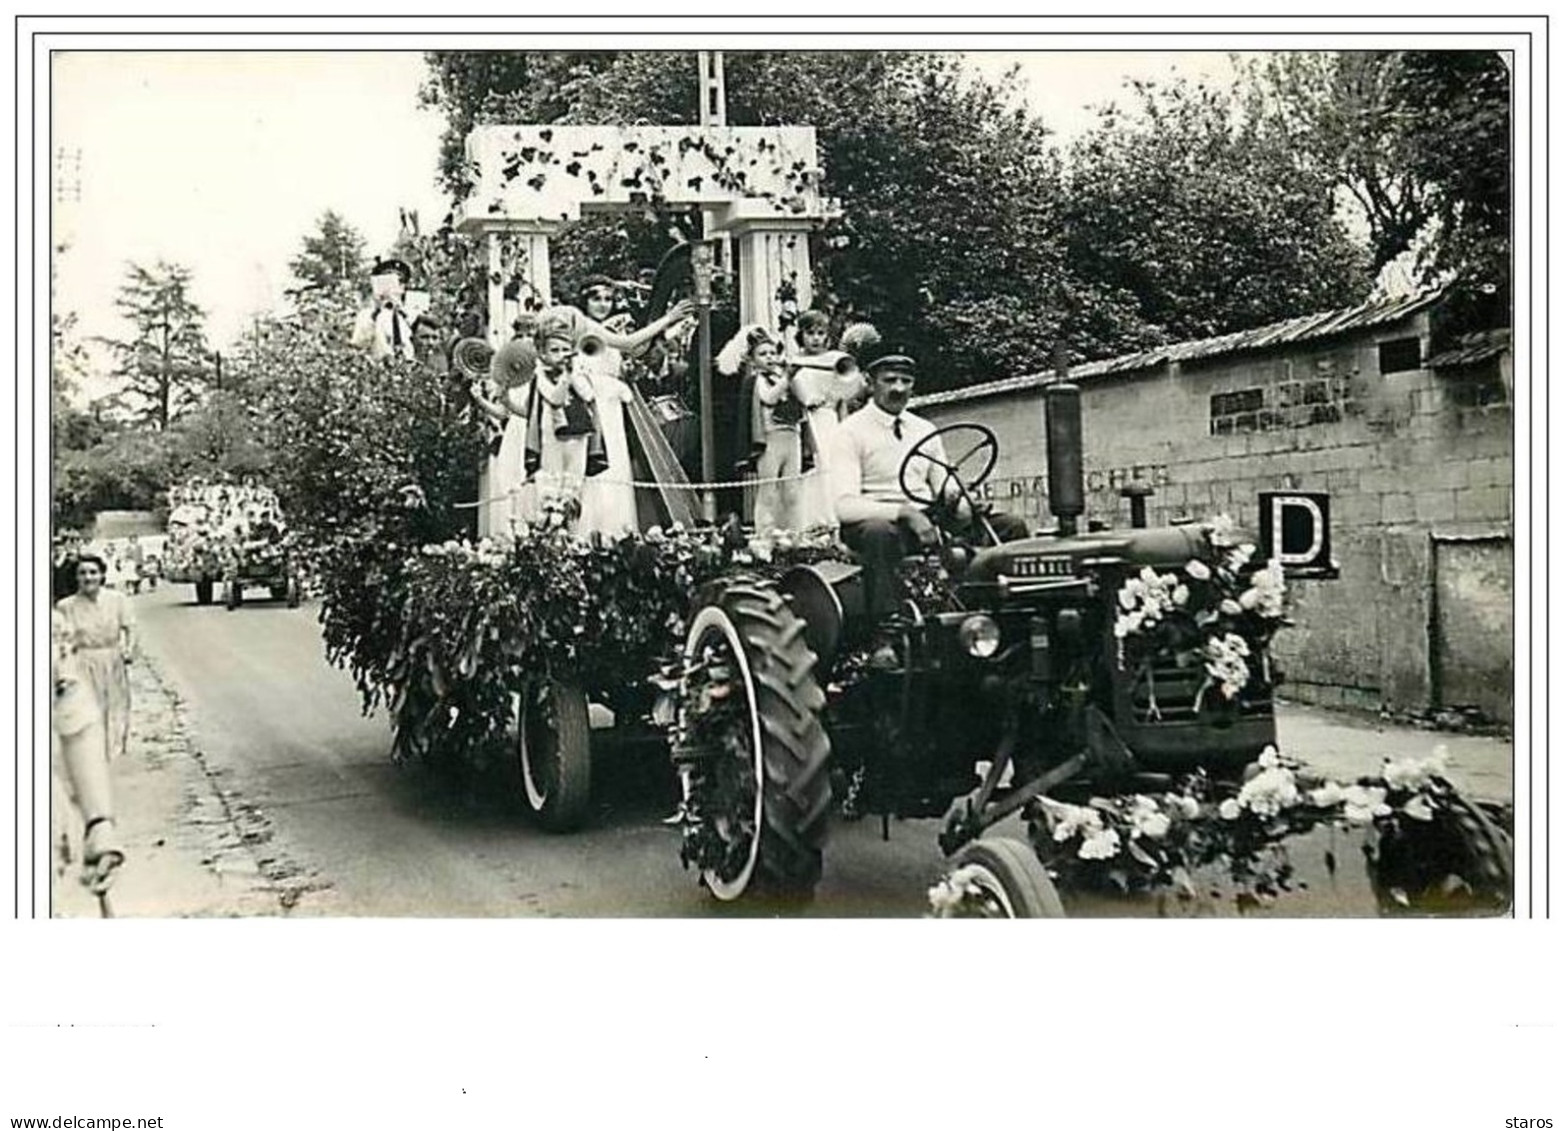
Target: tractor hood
[1162, 548]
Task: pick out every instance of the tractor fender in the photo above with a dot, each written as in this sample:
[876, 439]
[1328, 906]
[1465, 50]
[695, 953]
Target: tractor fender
[828, 596]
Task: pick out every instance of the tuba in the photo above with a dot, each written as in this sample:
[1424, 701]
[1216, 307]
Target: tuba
[471, 358]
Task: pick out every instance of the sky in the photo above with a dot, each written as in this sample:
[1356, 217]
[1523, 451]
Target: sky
[222, 162]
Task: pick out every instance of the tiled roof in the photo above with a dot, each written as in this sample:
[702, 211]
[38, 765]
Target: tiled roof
[1308, 328]
[1471, 349]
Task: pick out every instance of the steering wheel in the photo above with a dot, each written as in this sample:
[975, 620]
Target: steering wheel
[979, 447]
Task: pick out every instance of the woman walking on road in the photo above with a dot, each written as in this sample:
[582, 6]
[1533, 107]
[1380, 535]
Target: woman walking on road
[101, 631]
[79, 758]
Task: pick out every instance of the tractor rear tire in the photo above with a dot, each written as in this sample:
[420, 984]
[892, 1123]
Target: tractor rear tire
[554, 755]
[792, 764]
[203, 590]
[1008, 871]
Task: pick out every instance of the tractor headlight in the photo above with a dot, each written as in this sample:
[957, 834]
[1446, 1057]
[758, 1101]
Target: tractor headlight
[979, 635]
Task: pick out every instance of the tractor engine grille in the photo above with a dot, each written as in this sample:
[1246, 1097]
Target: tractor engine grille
[1166, 693]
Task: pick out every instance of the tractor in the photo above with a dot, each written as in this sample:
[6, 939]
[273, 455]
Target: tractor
[262, 564]
[1005, 687]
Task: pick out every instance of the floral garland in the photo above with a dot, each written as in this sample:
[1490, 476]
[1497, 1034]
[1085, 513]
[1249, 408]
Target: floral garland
[1220, 610]
[470, 623]
[1426, 841]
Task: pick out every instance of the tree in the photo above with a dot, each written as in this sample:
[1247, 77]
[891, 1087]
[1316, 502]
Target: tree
[124, 469]
[70, 425]
[1457, 103]
[333, 255]
[1421, 142]
[221, 435]
[166, 362]
[1200, 216]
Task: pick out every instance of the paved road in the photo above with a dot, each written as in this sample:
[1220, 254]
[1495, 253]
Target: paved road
[283, 731]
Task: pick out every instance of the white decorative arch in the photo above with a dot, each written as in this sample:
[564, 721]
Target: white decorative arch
[758, 185]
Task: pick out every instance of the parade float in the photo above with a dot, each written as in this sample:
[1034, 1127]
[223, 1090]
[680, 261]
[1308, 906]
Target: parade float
[209, 543]
[1110, 687]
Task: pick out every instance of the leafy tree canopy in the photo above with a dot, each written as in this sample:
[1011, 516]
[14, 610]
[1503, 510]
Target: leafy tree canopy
[1202, 217]
[1421, 142]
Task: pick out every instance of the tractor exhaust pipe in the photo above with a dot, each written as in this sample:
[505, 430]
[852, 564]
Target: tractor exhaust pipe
[1066, 476]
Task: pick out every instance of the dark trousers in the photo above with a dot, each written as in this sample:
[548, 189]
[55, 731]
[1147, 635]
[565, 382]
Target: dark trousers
[882, 543]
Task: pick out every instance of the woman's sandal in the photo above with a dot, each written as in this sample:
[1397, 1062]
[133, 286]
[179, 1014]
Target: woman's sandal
[101, 856]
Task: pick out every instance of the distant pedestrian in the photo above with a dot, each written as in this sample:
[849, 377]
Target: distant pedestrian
[67, 551]
[135, 561]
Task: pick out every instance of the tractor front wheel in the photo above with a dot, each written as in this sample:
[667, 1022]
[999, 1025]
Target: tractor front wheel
[1000, 878]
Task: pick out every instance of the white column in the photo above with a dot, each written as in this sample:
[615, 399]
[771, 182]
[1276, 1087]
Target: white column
[770, 254]
[535, 263]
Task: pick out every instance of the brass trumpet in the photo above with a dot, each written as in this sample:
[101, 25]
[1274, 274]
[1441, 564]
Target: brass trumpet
[836, 361]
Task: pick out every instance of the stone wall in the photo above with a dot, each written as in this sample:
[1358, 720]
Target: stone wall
[1407, 456]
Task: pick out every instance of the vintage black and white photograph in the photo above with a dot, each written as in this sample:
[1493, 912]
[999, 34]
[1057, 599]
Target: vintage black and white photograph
[795, 482]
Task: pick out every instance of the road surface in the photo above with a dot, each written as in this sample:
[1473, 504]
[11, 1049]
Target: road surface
[281, 733]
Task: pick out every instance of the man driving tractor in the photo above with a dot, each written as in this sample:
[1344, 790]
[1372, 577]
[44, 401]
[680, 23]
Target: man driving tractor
[878, 522]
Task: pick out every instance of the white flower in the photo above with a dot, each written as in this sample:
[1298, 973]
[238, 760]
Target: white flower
[1187, 807]
[1153, 825]
[1326, 796]
[1222, 530]
[1269, 792]
[1147, 819]
[1416, 773]
[1363, 804]
[1071, 819]
[947, 895]
[1198, 569]
[1225, 663]
[1269, 587]
[1269, 757]
[1181, 595]
[1229, 810]
[1099, 844]
[1418, 809]
[1230, 607]
[1238, 557]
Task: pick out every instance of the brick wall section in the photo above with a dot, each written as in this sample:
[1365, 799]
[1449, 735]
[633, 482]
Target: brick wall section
[1403, 463]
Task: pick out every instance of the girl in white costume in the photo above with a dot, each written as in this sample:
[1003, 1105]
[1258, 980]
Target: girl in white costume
[824, 392]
